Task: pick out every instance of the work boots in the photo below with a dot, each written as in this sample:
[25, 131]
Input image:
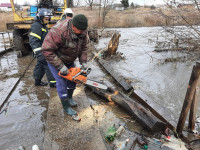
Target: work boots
[71, 101]
[67, 108]
[40, 83]
[52, 85]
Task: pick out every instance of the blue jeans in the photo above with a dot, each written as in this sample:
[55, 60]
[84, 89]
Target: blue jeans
[62, 85]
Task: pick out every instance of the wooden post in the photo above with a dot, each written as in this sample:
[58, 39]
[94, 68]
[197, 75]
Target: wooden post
[113, 44]
[188, 98]
[4, 40]
[193, 110]
[11, 45]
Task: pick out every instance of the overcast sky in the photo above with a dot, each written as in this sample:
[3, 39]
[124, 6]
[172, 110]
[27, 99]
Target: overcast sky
[140, 2]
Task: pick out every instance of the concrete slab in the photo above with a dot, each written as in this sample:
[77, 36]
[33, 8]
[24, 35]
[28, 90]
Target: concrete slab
[64, 133]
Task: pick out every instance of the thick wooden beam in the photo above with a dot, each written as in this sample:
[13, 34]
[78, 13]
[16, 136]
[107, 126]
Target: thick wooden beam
[159, 111]
[122, 81]
[193, 110]
[113, 44]
[188, 98]
[142, 115]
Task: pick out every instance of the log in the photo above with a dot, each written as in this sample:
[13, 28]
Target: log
[193, 110]
[194, 79]
[159, 111]
[143, 116]
[113, 44]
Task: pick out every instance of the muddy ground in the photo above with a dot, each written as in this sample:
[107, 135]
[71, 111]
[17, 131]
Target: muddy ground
[34, 115]
[24, 120]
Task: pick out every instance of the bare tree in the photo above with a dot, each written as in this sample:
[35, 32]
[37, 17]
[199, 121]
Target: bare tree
[107, 5]
[45, 3]
[70, 3]
[56, 3]
[89, 2]
[37, 2]
[26, 3]
[76, 3]
[185, 37]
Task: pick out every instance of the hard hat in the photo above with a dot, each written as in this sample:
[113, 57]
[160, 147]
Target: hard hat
[68, 11]
[44, 12]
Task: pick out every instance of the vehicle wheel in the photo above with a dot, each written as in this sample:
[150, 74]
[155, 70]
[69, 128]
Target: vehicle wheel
[19, 37]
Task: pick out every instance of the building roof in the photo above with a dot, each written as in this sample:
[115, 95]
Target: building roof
[5, 5]
[118, 5]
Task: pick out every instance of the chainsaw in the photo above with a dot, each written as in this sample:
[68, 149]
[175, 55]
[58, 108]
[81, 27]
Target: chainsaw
[79, 76]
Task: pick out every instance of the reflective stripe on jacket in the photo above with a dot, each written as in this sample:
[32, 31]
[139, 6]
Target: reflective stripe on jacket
[36, 36]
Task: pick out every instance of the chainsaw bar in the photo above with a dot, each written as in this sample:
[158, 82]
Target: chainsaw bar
[80, 76]
[96, 84]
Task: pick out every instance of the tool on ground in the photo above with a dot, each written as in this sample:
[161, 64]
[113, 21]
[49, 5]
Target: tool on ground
[75, 117]
[79, 75]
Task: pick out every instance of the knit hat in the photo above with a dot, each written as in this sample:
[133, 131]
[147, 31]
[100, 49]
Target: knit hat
[80, 22]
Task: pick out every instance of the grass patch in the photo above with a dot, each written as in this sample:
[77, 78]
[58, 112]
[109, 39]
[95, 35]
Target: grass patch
[5, 17]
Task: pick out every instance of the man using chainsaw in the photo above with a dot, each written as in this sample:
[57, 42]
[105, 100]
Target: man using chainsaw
[36, 37]
[65, 42]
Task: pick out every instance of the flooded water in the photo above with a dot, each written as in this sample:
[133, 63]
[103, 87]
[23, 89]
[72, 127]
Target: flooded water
[165, 83]
[23, 121]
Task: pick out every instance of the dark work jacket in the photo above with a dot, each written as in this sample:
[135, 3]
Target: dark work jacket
[37, 36]
[61, 46]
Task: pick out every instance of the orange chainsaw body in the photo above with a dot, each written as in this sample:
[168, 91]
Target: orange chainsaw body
[75, 75]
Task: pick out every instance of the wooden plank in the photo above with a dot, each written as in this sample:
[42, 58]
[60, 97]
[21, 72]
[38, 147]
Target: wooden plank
[194, 79]
[122, 81]
[193, 110]
[159, 111]
[162, 113]
[143, 116]
[5, 51]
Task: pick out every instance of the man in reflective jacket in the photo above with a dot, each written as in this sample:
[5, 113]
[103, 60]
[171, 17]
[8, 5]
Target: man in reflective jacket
[65, 42]
[36, 38]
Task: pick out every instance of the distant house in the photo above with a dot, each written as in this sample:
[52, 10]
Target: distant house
[25, 7]
[96, 6]
[118, 6]
[5, 7]
[186, 6]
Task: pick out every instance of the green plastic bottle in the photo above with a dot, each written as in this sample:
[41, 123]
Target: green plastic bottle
[110, 134]
[145, 146]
